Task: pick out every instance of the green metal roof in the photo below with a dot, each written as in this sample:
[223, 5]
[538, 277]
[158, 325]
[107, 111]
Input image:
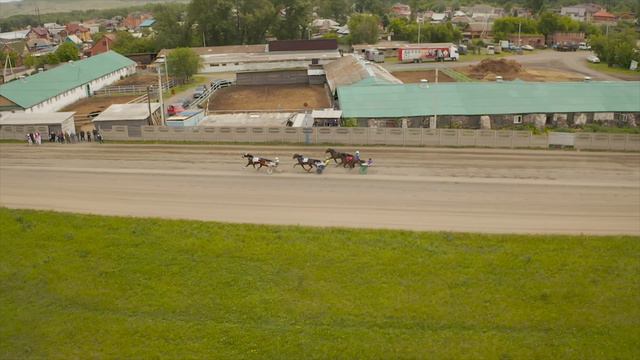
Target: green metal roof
[42, 86]
[382, 101]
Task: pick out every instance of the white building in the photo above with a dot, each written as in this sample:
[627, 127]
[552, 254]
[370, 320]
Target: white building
[54, 89]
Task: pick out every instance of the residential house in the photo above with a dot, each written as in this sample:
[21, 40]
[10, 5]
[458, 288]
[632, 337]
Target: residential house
[133, 21]
[147, 25]
[83, 33]
[39, 45]
[57, 31]
[438, 18]
[39, 33]
[461, 21]
[401, 10]
[605, 18]
[574, 12]
[323, 26]
[103, 45]
[478, 30]
[74, 40]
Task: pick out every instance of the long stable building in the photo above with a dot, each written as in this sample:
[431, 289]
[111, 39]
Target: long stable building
[491, 105]
[54, 89]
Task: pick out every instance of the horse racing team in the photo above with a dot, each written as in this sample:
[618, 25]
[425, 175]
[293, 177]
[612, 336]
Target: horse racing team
[345, 159]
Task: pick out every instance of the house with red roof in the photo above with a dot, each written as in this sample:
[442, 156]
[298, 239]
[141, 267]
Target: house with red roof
[604, 17]
[103, 45]
[83, 33]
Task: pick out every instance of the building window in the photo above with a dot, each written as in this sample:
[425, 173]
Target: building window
[517, 119]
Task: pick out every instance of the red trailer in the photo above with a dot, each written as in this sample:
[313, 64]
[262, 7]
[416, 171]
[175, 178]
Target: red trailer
[427, 52]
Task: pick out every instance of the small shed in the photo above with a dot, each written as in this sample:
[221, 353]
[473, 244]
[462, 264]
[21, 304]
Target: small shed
[186, 118]
[55, 122]
[326, 117]
[132, 115]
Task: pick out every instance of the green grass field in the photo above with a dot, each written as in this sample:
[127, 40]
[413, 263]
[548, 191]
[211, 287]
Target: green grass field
[76, 286]
[602, 67]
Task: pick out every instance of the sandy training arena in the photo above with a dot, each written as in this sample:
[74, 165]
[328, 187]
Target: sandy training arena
[408, 188]
[271, 97]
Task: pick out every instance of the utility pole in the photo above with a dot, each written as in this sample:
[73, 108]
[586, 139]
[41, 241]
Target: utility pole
[160, 96]
[419, 23]
[204, 42]
[166, 70]
[519, 27]
[149, 103]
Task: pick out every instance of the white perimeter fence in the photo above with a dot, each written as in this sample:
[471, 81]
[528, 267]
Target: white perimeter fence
[362, 136]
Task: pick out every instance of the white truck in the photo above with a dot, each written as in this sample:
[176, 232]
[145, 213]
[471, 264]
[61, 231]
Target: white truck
[426, 52]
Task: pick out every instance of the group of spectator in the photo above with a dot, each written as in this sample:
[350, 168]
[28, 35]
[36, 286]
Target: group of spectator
[66, 137]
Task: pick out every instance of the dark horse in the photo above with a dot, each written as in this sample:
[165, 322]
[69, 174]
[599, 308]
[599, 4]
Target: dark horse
[350, 161]
[254, 160]
[335, 155]
[304, 162]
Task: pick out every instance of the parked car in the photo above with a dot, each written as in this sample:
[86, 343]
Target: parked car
[174, 109]
[527, 47]
[593, 59]
[220, 83]
[567, 47]
[583, 46]
[199, 92]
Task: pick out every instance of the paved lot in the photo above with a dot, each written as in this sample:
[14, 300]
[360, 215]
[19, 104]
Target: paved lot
[412, 188]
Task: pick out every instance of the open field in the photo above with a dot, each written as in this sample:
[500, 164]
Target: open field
[26, 7]
[73, 286]
[408, 77]
[479, 190]
[140, 79]
[270, 97]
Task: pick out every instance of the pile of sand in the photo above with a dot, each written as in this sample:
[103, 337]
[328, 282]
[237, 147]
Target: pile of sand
[489, 68]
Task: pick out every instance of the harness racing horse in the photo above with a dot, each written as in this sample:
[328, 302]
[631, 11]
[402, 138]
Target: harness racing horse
[351, 161]
[254, 160]
[335, 155]
[304, 162]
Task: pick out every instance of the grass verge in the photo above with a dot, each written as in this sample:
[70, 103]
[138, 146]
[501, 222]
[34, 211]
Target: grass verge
[604, 68]
[79, 285]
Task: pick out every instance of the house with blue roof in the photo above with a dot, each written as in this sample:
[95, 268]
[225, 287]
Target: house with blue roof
[52, 90]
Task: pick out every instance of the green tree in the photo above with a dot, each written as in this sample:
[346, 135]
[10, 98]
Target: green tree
[364, 28]
[66, 52]
[617, 49]
[293, 17]
[12, 55]
[183, 63]
[214, 21]
[126, 44]
[172, 27]
[337, 10]
[536, 6]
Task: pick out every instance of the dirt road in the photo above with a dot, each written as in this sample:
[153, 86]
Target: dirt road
[412, 188]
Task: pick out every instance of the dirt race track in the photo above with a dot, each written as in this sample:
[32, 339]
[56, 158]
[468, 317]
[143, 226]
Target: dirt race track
[271, 97]
[409, 188]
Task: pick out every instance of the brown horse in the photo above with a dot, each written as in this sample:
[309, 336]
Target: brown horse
[304, 162]
[350, 161]
[254, 160]
[335, 155]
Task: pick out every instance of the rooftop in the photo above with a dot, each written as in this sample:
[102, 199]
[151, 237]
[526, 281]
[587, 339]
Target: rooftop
[42, 86]
[123, 112]
[230, 49]
[35, 118]
[380, 101]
